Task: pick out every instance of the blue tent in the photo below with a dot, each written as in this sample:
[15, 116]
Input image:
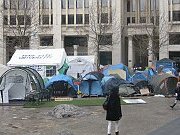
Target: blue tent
[170, 70]
[61, 77]
[167, 63]
[151, 73]
[91, 85]
[116, 67]
[138, 76]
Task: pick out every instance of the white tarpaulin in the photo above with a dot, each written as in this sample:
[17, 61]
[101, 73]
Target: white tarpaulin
[38, 57]
[81, 65]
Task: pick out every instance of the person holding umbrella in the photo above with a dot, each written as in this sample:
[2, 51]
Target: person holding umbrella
[113, 111]
[177, 94]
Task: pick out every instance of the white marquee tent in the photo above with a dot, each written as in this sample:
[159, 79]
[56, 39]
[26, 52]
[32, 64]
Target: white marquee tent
[38, 59]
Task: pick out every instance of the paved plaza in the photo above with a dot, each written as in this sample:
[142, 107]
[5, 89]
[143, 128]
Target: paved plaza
[138, 119]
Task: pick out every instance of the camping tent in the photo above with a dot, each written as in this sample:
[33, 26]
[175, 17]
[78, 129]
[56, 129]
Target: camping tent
[126, 89]
[164, 84]
[80, 64]
[91, 85]
[119, 69]
[59, 83]
[140, 80]
[45, 61]
[18, 82]
[3, 69]
[167, 63]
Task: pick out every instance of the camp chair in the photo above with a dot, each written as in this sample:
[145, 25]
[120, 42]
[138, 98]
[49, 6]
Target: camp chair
[60, 88]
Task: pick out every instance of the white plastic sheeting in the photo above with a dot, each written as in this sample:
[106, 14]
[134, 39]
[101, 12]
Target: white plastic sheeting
[81, 65]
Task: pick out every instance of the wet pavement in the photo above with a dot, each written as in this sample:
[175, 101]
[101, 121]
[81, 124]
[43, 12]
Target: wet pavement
[138, 119]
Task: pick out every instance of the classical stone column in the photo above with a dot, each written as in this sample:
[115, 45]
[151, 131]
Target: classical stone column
[117, 31]
[57, 24]
[163, 29]
[130, 52]
[75, 50]
[34, 34]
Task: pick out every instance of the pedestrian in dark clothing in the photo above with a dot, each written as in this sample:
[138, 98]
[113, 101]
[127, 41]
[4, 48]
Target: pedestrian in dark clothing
[177, 94]
[114, 113]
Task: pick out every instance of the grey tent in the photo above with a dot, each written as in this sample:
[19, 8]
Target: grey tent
[17, 82]
[126, 89]
[164, 84]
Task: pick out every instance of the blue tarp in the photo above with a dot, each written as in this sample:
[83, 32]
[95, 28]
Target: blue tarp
[166, 63]
[172, 70]
[115, 67]
[138, 77]
[91, 85]
[61, 77]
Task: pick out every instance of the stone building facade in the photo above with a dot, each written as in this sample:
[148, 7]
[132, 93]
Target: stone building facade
[130, 30]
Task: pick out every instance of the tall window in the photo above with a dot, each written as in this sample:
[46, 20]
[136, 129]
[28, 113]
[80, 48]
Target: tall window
[46, 41]
[45, 4]
[22, 4]
[152, 4]
[105, 39]
[174, 39]
[128, 6]
[5, 20]
[29, 4]
[105, 58]
[86, 19]
[142, 5]
[176, 15]
[104, 18]
[45, 19]
[104, 3]
[134, 5]
[157, 4]
[20, 19]
[70, 3]
[13, 4]
[63, 19]
[12, 20]
[70, 19]
[86, 3]
[63, 4]
[6, 4]
[79, 19]
[79, 3]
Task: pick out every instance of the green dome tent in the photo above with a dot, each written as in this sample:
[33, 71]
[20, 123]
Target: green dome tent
[164, 84]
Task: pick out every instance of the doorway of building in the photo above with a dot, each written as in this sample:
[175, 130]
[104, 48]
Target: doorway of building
[106, 58]
[70, 41]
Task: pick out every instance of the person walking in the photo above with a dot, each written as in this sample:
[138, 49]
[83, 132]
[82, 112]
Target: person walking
[113, 111]
[177, 94]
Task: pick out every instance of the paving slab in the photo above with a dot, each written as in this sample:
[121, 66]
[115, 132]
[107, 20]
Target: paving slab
[138, 119]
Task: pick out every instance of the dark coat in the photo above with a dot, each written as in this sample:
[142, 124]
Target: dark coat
[114, 108]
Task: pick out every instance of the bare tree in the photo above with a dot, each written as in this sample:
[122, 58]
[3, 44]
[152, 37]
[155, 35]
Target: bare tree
[23, 22]
[100, 29]
[153, 31]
